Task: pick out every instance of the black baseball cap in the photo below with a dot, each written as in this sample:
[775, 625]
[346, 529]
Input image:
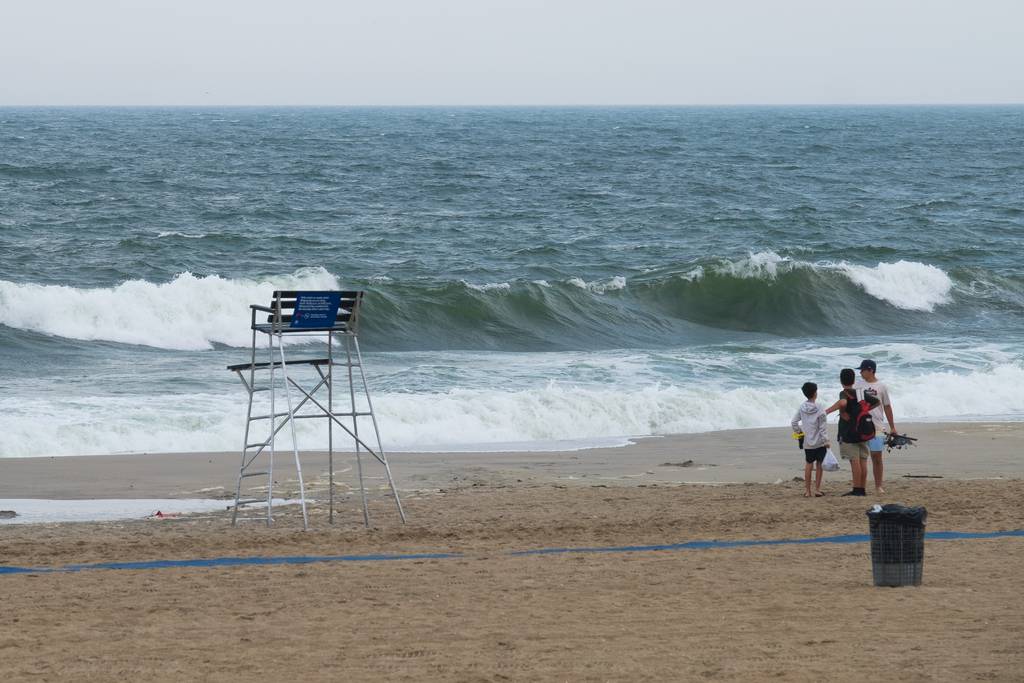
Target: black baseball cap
[867, 365]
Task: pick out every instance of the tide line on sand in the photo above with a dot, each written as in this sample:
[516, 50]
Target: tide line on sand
[310, 559]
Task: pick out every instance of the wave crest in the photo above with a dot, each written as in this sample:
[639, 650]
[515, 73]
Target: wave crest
[187, 313]
[762, 293]
[908, 285]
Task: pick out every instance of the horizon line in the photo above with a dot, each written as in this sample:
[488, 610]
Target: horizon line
[521, 105]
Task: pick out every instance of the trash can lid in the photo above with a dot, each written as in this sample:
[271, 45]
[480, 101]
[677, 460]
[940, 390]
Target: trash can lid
[900, 514]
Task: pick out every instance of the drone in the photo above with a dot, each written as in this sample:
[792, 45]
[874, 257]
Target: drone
[898, 441]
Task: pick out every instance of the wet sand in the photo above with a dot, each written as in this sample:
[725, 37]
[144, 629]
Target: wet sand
[967, 450]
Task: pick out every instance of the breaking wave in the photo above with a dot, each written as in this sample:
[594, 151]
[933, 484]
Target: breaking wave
[187, 313]
[906, 285]
[762, 293]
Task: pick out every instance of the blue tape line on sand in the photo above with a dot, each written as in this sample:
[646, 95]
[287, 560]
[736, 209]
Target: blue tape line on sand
[311, 559]
[228, 562]
[706, 545]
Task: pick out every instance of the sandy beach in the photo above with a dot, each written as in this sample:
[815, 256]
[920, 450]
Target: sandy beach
[485, 612]
[964, 450]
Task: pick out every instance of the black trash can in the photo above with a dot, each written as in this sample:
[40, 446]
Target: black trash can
[897, 544]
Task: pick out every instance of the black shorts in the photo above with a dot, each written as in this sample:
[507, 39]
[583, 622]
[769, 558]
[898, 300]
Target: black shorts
[815, 454]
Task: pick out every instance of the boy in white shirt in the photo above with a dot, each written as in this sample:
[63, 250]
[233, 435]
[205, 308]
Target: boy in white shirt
[872, 387]
[811, 418]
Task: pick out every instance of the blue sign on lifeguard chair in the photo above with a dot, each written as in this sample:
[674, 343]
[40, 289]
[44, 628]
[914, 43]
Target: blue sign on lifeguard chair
[315, 310]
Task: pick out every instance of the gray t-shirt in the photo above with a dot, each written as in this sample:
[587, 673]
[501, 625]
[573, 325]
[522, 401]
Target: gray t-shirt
[881, 392]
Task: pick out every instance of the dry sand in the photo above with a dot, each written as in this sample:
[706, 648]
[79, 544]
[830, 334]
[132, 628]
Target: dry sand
[788, 612]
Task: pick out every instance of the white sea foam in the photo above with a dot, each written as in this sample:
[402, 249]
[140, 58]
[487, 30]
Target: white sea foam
[559, 412]
[187, 313]
[694, 275]
[489, 286]
[762, 265]
[174, 233]
[597, 287]
[908, 285]
[555, 412]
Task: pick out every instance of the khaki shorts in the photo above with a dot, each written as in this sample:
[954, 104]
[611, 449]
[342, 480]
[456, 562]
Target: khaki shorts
[850, 451]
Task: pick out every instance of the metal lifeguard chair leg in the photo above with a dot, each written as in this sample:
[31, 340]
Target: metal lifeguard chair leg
[330, 428]
[295, 441]
[247, 459]
[355, 429]
[376, 430]
[248, 423]
[268, 444]
[273, 431]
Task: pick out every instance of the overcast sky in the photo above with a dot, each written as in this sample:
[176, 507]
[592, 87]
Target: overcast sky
[490, 52]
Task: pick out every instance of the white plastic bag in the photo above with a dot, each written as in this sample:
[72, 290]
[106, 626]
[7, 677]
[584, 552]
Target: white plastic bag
[830, 464]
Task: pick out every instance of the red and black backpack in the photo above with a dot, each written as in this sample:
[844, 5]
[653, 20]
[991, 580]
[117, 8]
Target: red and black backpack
[860, 426]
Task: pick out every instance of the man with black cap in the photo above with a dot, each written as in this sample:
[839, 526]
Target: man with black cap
[872, 387]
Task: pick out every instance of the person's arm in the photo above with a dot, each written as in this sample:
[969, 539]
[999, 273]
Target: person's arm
[838, 405]
[795, 422]
[887, 409]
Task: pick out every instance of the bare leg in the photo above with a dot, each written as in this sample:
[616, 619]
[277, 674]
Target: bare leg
[817, 476]
[876, 466]
[862, 473]
[807, 480]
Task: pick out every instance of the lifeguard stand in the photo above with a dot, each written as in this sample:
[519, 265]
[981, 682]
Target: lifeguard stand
[324, 316]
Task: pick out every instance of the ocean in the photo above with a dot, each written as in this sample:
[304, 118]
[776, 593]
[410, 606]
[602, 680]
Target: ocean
[536, 278]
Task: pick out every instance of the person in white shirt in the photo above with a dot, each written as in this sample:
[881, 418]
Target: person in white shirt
[870, 385]
[810, 419]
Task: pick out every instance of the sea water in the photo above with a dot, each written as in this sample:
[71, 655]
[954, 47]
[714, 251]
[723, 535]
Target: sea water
[535, 277]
